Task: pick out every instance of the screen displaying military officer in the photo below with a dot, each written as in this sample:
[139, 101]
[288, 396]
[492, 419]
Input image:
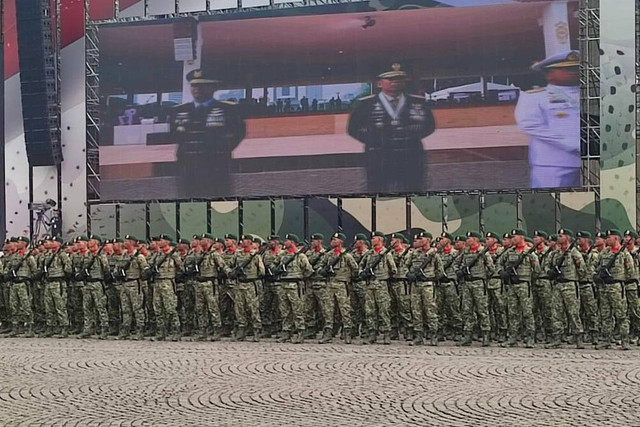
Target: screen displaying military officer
[206, 131]
[391, 125]
[550, 116]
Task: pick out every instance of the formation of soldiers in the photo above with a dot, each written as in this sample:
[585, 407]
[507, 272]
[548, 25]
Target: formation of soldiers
[552, 289]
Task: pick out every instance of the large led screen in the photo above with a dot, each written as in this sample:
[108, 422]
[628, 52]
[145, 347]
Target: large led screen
[349, 99]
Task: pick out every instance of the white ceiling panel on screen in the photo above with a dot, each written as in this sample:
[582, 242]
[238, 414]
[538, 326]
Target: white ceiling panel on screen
[161, 7]
[223, 4]
[192, 6]
[255, 3]
[132, 11]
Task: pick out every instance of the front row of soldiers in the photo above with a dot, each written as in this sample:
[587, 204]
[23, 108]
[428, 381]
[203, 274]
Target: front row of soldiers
[508, 288]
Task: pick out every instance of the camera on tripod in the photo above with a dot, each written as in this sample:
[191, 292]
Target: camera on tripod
[42, 207]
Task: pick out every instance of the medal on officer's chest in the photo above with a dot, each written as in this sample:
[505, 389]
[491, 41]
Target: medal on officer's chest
[215, 118]
[378, 115]
[416, 113]
[182, 121]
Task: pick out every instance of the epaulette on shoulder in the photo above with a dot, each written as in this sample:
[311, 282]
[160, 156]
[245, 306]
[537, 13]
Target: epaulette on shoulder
[537, 90]
[421, 98]
[229, 102]
[366, 97]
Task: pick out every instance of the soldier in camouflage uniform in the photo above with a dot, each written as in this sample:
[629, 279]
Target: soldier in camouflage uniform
[75, 286]
[338, 267]
[541, 290]
[206, 286]
[588, 292]
[614, 266]
[424, 269]
[474, 269]
[56, 266]
[113, 251]
[269, 303]
[517, 280]
[37, 291]
[149, 250]
[227, 286]
[400, 310]
[495, 291]
[94, 267]
[291, 267]
[631, 287]
[376, 267]
[357, 288]
[181, 285]
[447, 291]
[130, 265]
[567, 267]
[19, 272]
[315, 297]
[164, 269]
[5, 309]
[246, 268]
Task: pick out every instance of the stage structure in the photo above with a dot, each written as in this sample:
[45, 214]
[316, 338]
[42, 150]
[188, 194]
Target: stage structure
[450, 210]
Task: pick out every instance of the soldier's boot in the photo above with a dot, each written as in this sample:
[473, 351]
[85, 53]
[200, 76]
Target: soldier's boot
[113, 330]
[139, 335]
[84, 334]
[579, 342]
[256, 334]
[104, 332]
[47, 333]
[299, 337]
[417, 338]
[530, 342]
[327, 336]
[241, 334]
[29, 333]
[373, 337]
[408, 335]
[347, 336]
[511, 342]
[624, 344]
[177, 335]
[310, 333]
[603, 344]
[395, 335]
[467, 341]
[161, 334]
[202, 335]
[555, 343]
[20, 328]
[216, 334]
[284, 336]
[386, 338]
[266, 332]
[486, 340]
[64, 332]
[124, 333]
[594, 338]
[433, 341]
[14, 330]
[502, 336]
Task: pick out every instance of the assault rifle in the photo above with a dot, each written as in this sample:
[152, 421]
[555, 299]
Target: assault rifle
[418, 274]
[555, 272]
[153, 270]
[85, 273]
[464, 272]
[369, 272]
[510, 275]
[13, 274]
[603, 275]
[329, 269]
[238, 271]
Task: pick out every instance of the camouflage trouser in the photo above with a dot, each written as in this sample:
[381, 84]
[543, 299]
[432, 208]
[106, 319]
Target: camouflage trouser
[337, 296]
[269, 305]
[74, 303]
[186, 305]
[544, 308]
[357, 292]
[246, 303]
[633, 308]
[37, 303]
[400, 305]
[315, 306]
[20, 301]
[475, 306]
[566, 305]
[55, 303]
[290, 306]
[113, 306]
[423, 305]
[520, 310]
[164, 305]
[147, 303]
[448, 306]
[5, 308]
[226, 304]
[497, 305]
[93, 297]
[589, 307]
[131, 304]
[613, 307]
[207, 306]
[376, 306]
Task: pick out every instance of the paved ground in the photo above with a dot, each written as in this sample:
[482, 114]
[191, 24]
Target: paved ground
[89, 382]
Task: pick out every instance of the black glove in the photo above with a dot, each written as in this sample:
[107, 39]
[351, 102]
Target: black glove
[460, 274]
[505, 276]
[411, 276]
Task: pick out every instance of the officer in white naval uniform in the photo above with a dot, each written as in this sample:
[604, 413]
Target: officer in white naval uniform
[550, 116]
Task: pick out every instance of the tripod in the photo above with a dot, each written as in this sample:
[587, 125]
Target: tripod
[43, 222]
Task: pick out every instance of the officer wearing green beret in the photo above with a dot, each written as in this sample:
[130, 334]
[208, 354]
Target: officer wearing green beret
[495, 292]
[357, 287]
[269, 309]
[95, 265]
[206, 131]
[19, 272]
[184, 285]
[541, 290]
[631, 287]
[56, 267]
[227, 286]
[391, 125]
[518, 267]
[588, 292]
[400, 307]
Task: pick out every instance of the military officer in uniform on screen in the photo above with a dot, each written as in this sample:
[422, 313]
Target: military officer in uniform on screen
[391, 125]
[206, 131]
[550, 116]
